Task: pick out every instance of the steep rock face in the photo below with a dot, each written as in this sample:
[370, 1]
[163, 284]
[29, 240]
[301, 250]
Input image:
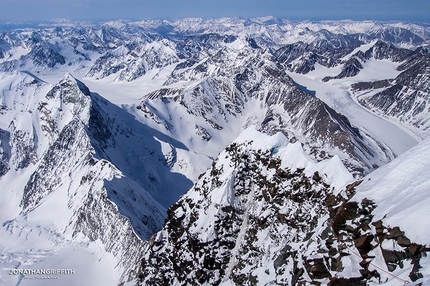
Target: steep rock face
[387, 50]
[88, 197]
[20, 137]
[133, 61]
[44, 55]
[118, 45]
[41, 55]
[4, 151]
[138, 151]
[301, 58]
[24, 147]
[49, 173]
[92, 130]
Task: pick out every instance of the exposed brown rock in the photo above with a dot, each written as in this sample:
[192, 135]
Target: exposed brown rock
[414, 249]
[394, 233]
[343, 213]
[347, 282]
[317, 269]
[364, 242]
[379, 228]
[403, 241]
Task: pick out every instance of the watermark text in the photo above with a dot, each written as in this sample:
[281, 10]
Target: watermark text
[42, 273]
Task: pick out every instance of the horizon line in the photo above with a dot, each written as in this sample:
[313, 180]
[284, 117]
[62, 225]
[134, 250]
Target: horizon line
[67, 21]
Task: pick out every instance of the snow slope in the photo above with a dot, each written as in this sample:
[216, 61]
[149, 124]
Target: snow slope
[401, 190]
[293, 156]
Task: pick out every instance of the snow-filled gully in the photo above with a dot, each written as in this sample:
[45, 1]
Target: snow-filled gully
[241, 234]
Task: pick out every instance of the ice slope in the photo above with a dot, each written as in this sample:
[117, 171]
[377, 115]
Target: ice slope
[401, 189]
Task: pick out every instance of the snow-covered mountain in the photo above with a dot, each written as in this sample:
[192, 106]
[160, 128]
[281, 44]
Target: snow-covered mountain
[106, 126]
[404, 98]
[259, 219]
[63, 175]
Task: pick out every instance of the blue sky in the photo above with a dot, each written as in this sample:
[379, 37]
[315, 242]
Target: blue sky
[100, 10]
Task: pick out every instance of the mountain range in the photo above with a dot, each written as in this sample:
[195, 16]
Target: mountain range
[216, 152]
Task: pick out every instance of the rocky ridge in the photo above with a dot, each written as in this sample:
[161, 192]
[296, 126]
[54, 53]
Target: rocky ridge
[252, 220]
